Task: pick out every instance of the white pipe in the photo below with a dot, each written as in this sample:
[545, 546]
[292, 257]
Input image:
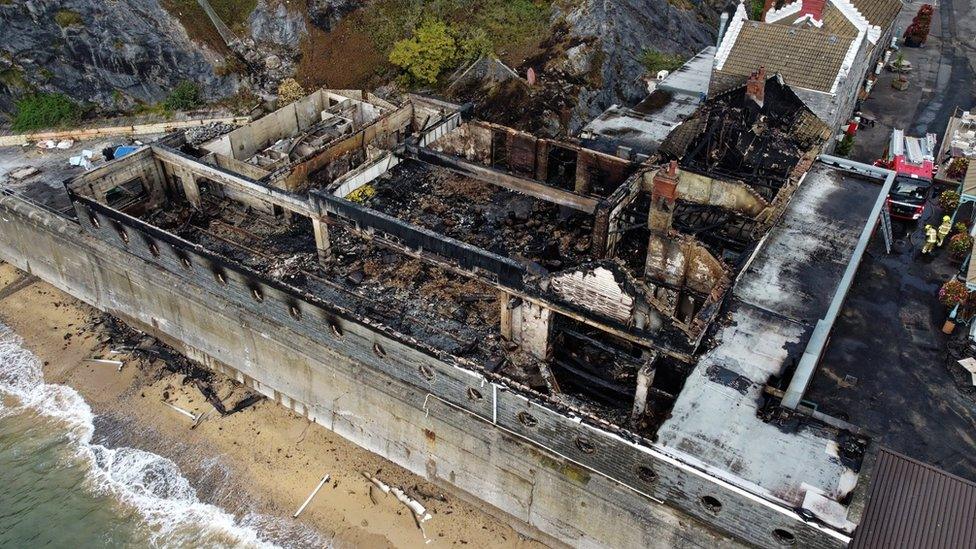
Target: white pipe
[105, 361]
[181, 410]
[310, 496]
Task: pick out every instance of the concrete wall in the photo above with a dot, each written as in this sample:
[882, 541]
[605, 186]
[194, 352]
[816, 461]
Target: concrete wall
[287, 121]
[383, 133]
[560, 473]
[527, 156]
[137, 165]
[683, 262]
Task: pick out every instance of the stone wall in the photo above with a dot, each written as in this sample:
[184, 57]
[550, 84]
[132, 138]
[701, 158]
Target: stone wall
[559, 474]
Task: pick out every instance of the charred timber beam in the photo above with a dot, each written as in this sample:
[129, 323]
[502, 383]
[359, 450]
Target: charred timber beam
[596, 387]
[588, 382]
[511, 182]
[508, 272]
[599, 345]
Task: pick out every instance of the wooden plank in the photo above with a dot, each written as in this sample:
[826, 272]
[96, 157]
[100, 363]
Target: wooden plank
[519, 184]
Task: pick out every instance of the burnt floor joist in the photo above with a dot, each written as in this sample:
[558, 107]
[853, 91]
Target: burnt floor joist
[494, 176]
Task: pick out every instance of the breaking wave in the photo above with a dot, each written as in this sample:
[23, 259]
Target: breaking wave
[154, 490]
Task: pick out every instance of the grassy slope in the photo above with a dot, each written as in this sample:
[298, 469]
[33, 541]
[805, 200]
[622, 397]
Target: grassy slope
[354, 54]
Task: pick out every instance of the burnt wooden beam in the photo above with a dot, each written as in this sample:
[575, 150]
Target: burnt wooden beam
[511, 182]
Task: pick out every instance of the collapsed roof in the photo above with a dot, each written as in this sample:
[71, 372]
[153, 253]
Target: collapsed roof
[581, 277]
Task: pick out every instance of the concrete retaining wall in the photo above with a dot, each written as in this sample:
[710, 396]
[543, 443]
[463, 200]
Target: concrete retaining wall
[558, 476]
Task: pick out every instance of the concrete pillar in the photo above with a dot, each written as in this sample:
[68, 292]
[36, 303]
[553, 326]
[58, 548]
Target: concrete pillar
[531, 329]
[505, 326]
[322, 243]
[190, 187]
[645, 378]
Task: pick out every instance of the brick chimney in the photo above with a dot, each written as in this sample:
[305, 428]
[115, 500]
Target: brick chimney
[766, 7]
[756, 86]
[664, 194]
[813, 8]
[666, 182]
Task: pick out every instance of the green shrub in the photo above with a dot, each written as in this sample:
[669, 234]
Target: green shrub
[427, 53]
[655, 61]
[952, 293]
[289, 91]
[960, 244]
[755, 9]
[957, 168]
[45, 110]
[507, 24]
[68, 18]
[475, 44]
[186, 96]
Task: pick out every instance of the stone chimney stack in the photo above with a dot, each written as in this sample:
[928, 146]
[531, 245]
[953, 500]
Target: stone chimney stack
[756, 86]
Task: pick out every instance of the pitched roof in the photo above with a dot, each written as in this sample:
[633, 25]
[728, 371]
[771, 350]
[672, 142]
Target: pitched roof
[806, 57]
[840, 16]
[834, 21]
[881, 13]
[915, 505]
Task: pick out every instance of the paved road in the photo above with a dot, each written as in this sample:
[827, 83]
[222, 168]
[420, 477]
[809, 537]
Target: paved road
[954, 83]
[941, 80]
[885, 367]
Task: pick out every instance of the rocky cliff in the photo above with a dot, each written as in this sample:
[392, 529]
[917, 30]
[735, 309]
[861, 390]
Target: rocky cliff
[592, 60]
[114, 53]
[111, 53]
[612, 36]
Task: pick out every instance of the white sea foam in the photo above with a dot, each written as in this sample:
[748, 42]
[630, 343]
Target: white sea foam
[172, 513]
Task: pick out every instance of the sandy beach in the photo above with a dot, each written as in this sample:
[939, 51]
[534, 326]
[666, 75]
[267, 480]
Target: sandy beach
[264, 459]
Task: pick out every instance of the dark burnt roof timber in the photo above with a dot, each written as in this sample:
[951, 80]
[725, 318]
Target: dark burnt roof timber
[915, 505]
[740, 140]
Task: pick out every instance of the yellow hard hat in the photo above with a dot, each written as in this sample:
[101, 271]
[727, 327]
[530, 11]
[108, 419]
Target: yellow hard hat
[928, 227]
[945, 218]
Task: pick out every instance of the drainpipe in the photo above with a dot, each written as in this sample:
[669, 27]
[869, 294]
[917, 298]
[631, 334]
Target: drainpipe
[723, 22]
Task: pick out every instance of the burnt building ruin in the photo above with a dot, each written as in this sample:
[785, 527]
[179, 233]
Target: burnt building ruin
[594, 286]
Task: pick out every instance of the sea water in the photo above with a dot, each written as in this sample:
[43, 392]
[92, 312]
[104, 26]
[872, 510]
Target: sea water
[59, 489]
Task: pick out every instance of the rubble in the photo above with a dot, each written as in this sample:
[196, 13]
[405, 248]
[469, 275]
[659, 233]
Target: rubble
[197, 135]
[567, 270]
[23, 172]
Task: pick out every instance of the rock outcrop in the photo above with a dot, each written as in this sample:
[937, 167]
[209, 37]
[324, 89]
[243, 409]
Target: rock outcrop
[592, 60]
[611, 37]
[327, 13]
[109, 53]
[273, 25]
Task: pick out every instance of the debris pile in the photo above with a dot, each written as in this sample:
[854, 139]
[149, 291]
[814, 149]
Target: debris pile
[155, 357]
[201, 134]
[481, 214]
